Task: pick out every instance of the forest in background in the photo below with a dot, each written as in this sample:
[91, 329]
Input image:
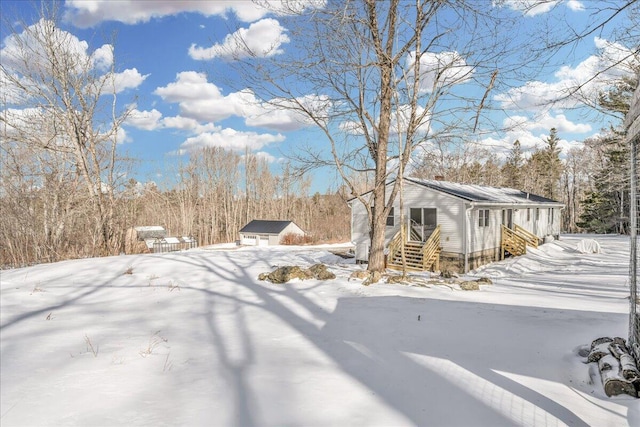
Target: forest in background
[214, 194]
[46, 215]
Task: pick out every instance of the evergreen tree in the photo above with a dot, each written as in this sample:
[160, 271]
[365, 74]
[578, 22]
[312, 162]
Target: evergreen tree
[512, 169]
[605, 207]
[551, 165]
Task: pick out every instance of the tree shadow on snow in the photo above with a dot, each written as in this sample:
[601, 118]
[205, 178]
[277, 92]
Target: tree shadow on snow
[451, 357]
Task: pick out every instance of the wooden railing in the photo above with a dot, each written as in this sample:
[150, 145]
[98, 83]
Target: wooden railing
[396, 243]
[431, 251]
[531, 239]
[512, 242]
[418, 256]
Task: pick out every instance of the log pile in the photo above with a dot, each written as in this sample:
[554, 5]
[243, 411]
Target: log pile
[617, 366]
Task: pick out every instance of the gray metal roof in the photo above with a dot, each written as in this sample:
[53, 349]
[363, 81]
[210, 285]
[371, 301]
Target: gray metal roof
[482, 193]
[265, 226]
[150, 232]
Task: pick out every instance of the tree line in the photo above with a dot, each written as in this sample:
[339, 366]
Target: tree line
[46, 217]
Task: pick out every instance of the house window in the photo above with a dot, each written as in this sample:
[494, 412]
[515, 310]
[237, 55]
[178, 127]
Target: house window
[528, 214]
[483, 217]
[537, 214]
[390, 218]
[550, 216]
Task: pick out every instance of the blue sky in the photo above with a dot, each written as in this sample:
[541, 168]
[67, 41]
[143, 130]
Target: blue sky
[170, 58]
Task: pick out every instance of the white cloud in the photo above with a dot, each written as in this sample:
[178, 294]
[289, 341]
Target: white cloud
[147, 120]
[187, 124]
[285, 114]
[263, 155]
[121, 136]
[87, 13]
[230, 139]
[527, 7]
[399, 123]
[529, 141]
[128, 79]
[546, 122]
[401, 117]
[203, 101]
[24, 57]
[572, 85]
[439, 69]
[25, 54]
[352, 127]
[575, 5]
[262, 39]
[103, 57]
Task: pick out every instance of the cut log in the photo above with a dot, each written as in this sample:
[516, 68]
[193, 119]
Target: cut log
[598, 351]
[629, 368]
[601, 340]
[612, 380]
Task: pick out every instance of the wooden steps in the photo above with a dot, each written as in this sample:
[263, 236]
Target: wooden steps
[418, 256]
[515, 241]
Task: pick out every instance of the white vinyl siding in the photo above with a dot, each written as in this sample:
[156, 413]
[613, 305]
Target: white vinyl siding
[453, 221]
[485, 237]
[450, 217]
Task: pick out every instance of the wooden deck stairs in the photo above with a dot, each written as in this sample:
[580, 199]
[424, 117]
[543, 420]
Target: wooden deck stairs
[515, 241]
[418, 256]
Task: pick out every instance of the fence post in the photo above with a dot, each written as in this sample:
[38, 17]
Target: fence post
[632, 127]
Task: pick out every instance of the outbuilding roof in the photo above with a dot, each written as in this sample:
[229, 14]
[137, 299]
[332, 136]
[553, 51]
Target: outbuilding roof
[264, 226]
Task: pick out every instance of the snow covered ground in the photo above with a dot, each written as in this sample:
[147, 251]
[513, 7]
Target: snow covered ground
[193, 338]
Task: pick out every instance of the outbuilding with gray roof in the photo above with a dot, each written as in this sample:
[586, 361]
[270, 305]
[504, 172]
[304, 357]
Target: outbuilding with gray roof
[260, 232]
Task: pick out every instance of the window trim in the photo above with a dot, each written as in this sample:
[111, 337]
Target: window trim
[483, 217]
[391, 218]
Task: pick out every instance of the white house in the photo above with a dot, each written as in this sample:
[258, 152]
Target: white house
[261, 232]
[467, 219]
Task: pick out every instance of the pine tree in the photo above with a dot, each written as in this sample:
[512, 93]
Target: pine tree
[551, 165]
[604, 208]
[512, 169]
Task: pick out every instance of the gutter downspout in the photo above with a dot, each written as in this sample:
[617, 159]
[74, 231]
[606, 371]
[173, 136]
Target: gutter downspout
[465, 231]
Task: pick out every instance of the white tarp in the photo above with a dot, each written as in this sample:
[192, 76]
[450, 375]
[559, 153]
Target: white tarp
[588, 246]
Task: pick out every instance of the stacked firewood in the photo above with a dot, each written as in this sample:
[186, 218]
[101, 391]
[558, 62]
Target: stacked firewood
[617, 366]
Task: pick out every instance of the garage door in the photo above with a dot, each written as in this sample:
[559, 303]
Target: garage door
[249, 240]
[263, 241]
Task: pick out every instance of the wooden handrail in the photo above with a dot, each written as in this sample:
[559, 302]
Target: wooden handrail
[431, 247]
[395, 243]
[532, 239]
[512, 242]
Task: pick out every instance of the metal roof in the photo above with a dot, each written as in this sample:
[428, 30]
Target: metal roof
[264, 226]
[150, 232]
[482, 193]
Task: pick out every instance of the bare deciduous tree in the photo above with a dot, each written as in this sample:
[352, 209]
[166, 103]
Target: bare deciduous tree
[378, 79]
[61, 103]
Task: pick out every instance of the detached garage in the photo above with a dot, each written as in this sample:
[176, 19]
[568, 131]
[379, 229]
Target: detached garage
[260, 232]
